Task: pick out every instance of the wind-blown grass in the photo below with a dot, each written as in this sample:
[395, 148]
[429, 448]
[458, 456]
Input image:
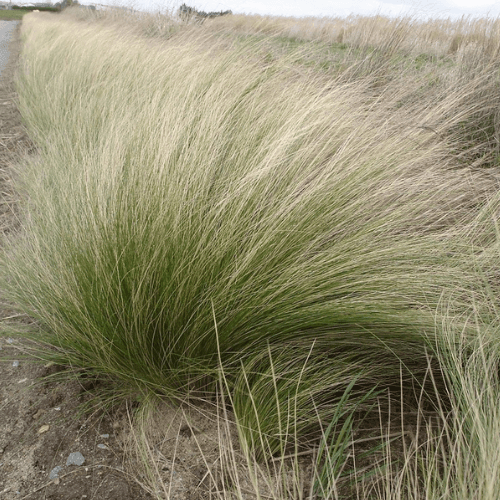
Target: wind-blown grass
[294, 209]
[195, 207]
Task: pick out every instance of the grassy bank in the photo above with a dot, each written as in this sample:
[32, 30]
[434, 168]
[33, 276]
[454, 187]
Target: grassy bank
[13, 15]
[16, 14]
[214, 215]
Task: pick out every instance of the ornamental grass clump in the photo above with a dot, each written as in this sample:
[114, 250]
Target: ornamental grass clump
[194, 208]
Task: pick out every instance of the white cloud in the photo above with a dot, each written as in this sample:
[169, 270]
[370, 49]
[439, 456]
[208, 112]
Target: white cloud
[476, 4]
[475, 7]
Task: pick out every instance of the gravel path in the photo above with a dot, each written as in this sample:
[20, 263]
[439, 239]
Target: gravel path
[7, 28]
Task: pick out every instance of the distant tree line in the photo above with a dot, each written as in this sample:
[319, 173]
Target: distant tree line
[57, 7]
[186, 12]
[35, 7]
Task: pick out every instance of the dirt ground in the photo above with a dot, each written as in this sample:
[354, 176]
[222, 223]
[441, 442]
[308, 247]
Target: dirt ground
[49, 450]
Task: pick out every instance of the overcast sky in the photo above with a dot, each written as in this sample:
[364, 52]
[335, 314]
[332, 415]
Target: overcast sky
[331, 8]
